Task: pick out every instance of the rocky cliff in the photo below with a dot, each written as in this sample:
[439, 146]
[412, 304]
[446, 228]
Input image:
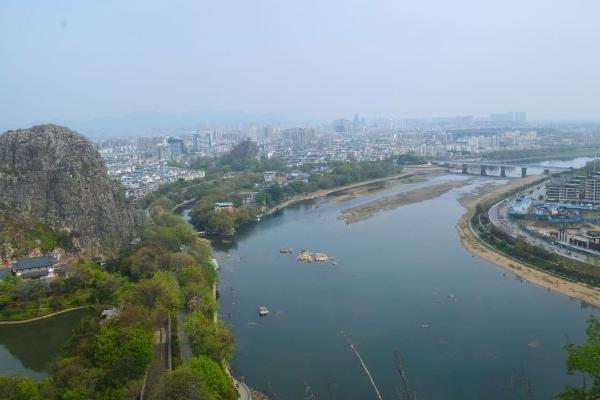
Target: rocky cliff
[55, 175]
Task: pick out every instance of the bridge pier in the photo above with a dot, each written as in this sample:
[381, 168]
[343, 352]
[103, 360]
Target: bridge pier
[465, 169]
[503, 172]
[483, 170]
[523, 172]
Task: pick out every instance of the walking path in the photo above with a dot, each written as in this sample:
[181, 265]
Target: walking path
[185, 350]
[25, 321]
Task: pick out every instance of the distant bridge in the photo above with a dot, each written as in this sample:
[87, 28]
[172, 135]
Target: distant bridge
[483, 167]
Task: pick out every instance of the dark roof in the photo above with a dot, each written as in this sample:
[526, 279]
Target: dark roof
[4, 272]
[33, 262]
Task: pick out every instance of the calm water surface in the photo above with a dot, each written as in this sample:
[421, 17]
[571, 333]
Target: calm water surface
[28, 349]
[490, 335]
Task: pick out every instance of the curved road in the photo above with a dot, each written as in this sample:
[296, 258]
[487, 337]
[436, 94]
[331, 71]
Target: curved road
[498, 215]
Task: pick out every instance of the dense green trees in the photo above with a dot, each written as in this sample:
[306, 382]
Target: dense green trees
[584, 360]
[221, 223]
[169, 270]
[161, 293]
[102, 360]
[198, 378]
[15, 388]
[85, 283]
[211, 339]
[553, 152]
[121, 353]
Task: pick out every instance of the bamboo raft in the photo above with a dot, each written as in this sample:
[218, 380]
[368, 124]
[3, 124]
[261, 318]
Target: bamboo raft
[408, 393]
[362, 363]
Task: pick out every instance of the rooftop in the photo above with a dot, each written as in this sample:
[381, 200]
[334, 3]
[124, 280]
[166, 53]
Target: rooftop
[33, 262]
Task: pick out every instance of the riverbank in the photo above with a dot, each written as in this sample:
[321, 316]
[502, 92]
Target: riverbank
[418, 170]
[478, 248]
[373, 188]
[372, 208]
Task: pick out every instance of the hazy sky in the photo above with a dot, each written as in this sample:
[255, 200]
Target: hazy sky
[325, 58]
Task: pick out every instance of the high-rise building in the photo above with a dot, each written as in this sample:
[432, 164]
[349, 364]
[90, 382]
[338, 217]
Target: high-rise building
[518, 117]
[176, 146]
[163, 152]
[196, 142]
[298, 136]
[342, 126]
[356, 125]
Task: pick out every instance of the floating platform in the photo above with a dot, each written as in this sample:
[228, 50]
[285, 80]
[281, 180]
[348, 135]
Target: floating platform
[306, 256]
[321, 257]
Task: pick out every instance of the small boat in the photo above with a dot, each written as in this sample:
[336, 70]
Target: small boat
[334, 263]
[424, 326]
[320, 257]
[263, 311]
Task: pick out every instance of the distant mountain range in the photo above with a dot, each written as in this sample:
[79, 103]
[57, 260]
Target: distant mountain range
[151, 122]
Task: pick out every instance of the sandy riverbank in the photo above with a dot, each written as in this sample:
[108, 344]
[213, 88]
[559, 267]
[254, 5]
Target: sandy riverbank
[372, 208]
[478, 248]
[373, 188]
[418, 170]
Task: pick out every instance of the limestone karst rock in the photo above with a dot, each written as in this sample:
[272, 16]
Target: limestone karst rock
[53, 174]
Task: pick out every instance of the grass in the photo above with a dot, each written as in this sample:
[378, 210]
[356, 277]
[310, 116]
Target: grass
[33, 309]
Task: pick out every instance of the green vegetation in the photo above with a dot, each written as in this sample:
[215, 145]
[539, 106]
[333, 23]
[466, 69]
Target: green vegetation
[554, 152]
[584, 360]
[230, 189]
[169, 270]
[199, 378]
[15, 388]
[591, 166]
[84, 284]
[19, 237]
[208, 338]
[409, 159]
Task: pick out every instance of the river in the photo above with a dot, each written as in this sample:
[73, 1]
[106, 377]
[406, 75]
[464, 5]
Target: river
[490, 335]
[465, 328]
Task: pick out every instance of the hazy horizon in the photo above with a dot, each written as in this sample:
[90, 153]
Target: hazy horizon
[75, 61]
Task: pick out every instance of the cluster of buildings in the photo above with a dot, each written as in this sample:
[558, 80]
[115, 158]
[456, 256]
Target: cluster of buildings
[574, 189]
[284, 178]
[141, 179]
[144, 163]
[567, 199]
[578, 237]
[357, 139]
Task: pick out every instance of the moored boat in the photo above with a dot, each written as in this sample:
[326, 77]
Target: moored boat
[263, 311]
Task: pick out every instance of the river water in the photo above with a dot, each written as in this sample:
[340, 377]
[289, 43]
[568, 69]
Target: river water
[465, 328]
[490, 335]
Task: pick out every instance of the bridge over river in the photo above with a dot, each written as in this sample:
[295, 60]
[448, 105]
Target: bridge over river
[482, 167]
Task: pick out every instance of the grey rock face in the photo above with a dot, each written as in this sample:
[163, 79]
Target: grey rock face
[51, 173]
